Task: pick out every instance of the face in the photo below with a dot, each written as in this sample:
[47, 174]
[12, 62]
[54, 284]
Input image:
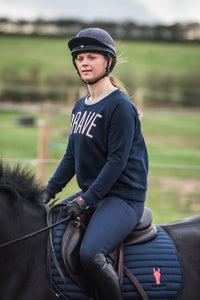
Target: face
[91, 65]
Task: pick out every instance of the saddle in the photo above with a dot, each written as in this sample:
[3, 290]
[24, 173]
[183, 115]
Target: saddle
[72, 238]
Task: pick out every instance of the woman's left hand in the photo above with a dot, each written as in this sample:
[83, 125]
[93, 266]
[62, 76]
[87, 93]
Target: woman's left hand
[76, 207]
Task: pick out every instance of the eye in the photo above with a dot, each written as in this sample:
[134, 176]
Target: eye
[92, 56]
[79, 58]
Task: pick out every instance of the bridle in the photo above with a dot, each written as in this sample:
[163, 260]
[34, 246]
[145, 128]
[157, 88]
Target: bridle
[48, 227]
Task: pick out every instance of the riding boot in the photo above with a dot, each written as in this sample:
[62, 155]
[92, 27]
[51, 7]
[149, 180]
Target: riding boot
[104, 278]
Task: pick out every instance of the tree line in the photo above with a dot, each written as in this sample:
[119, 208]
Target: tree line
[123, 30]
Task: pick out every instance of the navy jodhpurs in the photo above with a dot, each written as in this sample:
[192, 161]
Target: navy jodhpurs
[111, 222]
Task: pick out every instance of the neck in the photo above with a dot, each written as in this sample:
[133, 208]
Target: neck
[24, 256]
[100, 88]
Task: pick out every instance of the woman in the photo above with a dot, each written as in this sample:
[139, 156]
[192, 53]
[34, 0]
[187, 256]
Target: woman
[107, 152]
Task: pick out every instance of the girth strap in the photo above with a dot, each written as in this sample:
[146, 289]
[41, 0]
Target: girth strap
[121, 262]
[136, 283]
[117, 256]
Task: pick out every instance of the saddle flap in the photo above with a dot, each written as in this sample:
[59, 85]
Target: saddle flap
[70, 248]
[71, 242]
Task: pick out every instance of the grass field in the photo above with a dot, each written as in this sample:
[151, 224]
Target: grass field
[51, 55]
[172, 135]
[173, 144]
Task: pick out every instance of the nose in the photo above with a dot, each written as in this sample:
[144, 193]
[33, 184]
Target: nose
[85, 61]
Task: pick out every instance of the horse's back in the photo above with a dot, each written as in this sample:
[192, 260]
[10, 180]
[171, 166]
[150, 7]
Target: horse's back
[190, 221]
[186, 236]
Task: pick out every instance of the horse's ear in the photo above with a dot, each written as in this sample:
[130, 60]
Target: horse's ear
[9, 191]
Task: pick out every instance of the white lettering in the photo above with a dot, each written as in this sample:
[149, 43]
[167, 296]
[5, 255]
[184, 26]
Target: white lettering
[83, 123]
[79, 127]
[92, 125]
[87, 121]
[76, 119]
[72, 123]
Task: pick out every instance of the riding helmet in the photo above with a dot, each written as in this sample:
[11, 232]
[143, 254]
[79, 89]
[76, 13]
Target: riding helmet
[92, 39]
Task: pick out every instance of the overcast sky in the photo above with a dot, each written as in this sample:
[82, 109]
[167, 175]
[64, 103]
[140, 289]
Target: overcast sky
[140, 11]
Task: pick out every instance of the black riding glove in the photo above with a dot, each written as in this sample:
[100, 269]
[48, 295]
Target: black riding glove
[45, 197]
[76, 207]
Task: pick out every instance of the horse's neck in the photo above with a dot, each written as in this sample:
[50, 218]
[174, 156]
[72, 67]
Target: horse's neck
[23, 264]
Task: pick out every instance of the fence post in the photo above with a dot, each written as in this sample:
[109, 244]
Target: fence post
[139, 99]
[43, 145]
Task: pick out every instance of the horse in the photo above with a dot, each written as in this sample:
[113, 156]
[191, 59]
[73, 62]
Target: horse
[23, 254]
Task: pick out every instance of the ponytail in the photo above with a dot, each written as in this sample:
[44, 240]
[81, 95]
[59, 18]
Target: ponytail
[118, 84]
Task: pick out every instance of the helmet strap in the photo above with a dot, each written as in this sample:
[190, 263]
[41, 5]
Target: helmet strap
[96, 80]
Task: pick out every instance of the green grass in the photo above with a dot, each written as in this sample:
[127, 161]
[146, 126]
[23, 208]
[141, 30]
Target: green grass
[24, 54]
[49, 55]
[172, 135]
[173, 143]
[181, 123]
[173, 138]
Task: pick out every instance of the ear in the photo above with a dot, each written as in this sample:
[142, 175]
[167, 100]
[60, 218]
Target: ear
[9, 191]
[110, 62]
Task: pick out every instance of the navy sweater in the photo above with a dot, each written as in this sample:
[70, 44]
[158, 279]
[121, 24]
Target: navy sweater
[106, 151]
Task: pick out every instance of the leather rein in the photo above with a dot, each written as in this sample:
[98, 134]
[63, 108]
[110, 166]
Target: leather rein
[51, 251]
[48, 227]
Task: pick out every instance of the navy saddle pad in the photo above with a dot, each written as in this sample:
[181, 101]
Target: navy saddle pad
[155, 264]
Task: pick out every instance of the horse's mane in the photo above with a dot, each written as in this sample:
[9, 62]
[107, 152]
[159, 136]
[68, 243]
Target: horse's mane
[23, 181]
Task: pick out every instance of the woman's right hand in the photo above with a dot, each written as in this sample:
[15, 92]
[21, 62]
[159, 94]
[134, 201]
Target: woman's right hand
[45, 197]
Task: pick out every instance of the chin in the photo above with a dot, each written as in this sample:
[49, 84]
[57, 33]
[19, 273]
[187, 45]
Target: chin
[88, 80]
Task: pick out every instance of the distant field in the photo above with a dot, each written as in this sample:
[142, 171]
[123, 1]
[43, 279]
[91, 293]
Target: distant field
[173, 142]
[49, 55]
[172, 135]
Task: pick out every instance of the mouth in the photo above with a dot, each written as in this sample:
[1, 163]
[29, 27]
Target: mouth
[86, 71]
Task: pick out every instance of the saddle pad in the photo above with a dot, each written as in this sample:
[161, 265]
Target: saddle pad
[157, 267]
[155, 264]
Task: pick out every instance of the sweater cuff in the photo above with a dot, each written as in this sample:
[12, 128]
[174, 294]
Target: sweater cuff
[90, 197]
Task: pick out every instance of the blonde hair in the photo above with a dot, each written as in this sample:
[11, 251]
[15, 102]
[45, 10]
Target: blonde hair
[115, 81]
[118, 84]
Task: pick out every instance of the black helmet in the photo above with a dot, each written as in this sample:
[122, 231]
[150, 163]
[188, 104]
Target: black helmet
[97, 40]
[92, 39]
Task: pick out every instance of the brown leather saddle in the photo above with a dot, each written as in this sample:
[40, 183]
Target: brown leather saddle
[143, 232]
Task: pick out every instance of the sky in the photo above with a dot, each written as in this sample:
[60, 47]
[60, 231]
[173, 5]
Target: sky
[139, 11]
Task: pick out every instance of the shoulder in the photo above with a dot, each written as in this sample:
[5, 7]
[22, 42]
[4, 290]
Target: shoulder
[79, 103]
[123, 103]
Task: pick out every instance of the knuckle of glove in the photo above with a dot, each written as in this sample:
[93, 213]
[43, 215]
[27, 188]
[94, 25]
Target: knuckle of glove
[45, 197]
[76, 206]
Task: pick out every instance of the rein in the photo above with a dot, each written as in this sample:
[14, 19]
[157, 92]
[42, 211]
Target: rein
[25, 237]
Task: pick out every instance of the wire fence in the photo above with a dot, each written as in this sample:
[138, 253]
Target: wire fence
[170, 198]
[167, 194]
[36, 161]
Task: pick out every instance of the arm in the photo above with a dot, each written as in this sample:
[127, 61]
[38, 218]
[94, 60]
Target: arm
[120, 136]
